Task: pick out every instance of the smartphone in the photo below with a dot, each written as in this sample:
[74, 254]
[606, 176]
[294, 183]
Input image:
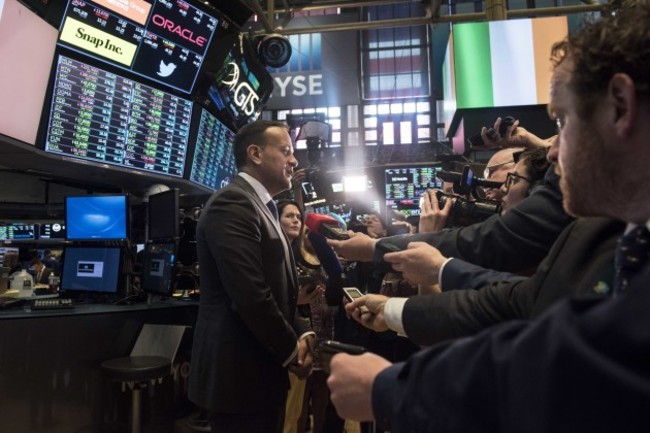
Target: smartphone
[329, 348]
[352, 293]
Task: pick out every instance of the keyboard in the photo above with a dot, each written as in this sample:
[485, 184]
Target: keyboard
[52, 304]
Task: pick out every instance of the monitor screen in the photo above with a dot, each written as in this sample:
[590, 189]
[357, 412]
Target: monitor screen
[26, 48]
[17, 231]
[5, 250]
[158, 268]
[235, 89]
[162, 40]
[91, 269]
[97, 217]
[163, 215]
[52, 231]
[213, 162]
[405, 186]
[99, 116]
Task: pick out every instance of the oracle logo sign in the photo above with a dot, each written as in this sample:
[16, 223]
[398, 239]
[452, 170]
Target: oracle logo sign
[243, 94]
[184, 33]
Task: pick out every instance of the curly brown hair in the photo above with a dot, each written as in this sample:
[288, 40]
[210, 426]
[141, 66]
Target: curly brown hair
[618, 43]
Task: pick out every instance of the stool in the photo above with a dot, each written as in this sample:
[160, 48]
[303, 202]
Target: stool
[150, 361]
[137, 372]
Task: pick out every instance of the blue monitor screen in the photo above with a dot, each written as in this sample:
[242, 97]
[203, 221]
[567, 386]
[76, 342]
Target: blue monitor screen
[158, 268]
[96, 217]
[91, 269]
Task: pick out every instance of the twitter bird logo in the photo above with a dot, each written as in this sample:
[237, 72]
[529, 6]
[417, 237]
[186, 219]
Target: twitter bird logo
[165, 70]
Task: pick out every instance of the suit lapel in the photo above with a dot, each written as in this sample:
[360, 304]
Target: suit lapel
[263, 211]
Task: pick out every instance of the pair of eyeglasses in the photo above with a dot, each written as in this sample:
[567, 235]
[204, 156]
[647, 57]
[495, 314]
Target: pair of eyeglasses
[513, 178]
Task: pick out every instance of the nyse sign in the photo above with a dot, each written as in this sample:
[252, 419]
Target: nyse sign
[299, 85]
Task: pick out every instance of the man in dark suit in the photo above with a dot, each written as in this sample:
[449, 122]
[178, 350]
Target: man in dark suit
[248, 331]
[496, 243]
[41, 272]
[584, 364]
[580, 262]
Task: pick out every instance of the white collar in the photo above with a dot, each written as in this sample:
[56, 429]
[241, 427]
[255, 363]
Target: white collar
[260, 190]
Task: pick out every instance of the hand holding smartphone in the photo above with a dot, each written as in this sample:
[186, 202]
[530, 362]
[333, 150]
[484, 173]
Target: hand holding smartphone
[352, 293]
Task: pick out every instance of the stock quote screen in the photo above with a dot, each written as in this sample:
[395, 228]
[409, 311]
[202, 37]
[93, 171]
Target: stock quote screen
[213, 164]
[16, 231]
[164, 40]
[103, 117]
[405, 186]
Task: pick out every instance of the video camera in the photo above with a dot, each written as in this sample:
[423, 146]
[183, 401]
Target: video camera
[468, 207]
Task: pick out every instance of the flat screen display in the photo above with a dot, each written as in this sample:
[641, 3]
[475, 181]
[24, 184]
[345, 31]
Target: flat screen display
[97, 217]
[27, 46]
[163, 215]
[162, 40]
[213, 163]
[98, 116]
[4, 251]
[51, 231]
[16, 231]
[158, 268]
[235, 89]
[405, 186]
[91, 269]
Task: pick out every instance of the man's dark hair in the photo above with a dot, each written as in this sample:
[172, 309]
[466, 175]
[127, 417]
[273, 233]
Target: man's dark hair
[253, 133]
[619, 43]
[536, 163]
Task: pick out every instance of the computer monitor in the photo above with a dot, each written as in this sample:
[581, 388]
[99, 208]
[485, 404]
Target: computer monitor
[163, 215]
[162, 41]
[95, 115]
[97, 217]
[17, 231]
[158, 268]
[91, 270]
[406, 184]
[4, 251]
[51, 231]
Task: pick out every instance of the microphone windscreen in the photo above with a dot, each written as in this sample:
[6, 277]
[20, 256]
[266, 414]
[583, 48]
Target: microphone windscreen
[338, 218]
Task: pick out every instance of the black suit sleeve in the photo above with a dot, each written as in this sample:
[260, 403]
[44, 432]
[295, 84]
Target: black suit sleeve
[516, 242]
[582, 367]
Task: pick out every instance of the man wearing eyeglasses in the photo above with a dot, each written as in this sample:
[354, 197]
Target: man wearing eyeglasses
[581, 367]
[497, 168]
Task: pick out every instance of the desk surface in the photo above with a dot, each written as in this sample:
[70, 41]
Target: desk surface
[25, 312]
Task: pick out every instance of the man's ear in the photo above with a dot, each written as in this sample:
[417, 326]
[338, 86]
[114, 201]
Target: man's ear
[253, 153]
[622, 94]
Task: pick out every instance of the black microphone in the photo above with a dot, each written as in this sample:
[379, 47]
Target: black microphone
[331, 266]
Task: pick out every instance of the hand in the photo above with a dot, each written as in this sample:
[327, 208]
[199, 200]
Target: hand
[350, 383]
[374, 317]
[298, 177]
[419, 263]
[359, 247]
[307, 298]
[302, 363]
[432, 218]
[515, 136]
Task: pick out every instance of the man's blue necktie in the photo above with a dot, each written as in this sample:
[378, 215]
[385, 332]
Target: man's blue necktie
[632, 253]
[273, 208]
